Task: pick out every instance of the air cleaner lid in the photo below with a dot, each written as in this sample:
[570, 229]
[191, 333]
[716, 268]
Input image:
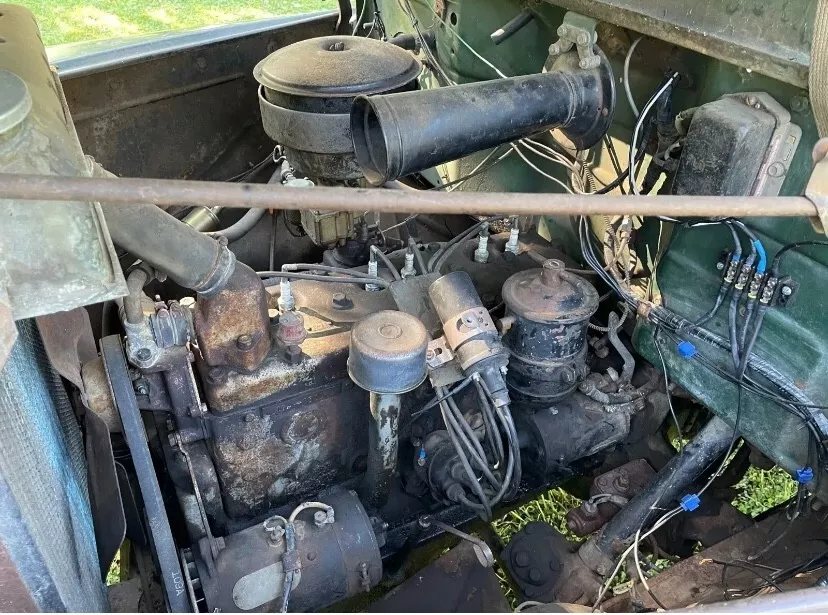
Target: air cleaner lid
[550, 294]
[337, 66]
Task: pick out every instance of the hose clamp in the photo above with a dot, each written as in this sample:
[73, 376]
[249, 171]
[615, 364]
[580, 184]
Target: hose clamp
[221, 273]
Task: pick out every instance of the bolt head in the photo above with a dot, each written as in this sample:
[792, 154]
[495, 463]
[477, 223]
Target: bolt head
[562, 30]
[777, 169]
[245, 342]
[554, 49]
[216, 375]
[143, 354]
[522, 559]
[320, 518]
[249, 417]
[340, 301]
[720, 266]
[787, 291]
[582, 39]
[799, 104]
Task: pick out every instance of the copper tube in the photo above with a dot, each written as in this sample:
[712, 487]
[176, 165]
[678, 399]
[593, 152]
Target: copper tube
[167, 192]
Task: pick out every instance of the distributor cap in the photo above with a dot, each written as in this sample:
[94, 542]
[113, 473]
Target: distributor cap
[388, 352]
[337, 66]
[550, 295]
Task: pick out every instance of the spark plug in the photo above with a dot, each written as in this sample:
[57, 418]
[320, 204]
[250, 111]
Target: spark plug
[481, 255]
[286, 301]
[372, 273]
[408, 271]
[514, 237]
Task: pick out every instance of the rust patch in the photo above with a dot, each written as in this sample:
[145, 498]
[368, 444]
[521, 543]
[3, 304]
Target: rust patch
[233, 328]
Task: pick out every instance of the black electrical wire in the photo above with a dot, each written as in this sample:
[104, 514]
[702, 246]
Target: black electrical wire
[472, 480]
[791, 246]
[440, 256]
[755, 388]
[439, 398]
[639, 156]
[491, 425]
[725, 286]
[725, 565]
[663, 89]
[505, 416]
[616, 162]
[387, 262]
[467, 437]
[418, 256]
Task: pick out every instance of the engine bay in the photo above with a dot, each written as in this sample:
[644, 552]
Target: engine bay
[316, 313]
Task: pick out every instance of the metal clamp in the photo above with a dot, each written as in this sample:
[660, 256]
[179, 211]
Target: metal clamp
[467, 325]
[577, 31]
[481, 549]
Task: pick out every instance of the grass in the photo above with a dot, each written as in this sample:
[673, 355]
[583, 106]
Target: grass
[760, 490]
[71, 21]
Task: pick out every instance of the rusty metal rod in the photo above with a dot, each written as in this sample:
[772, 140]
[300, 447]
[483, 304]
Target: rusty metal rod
[167, 192]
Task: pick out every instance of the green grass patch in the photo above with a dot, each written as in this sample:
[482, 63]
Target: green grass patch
[761, 490]
[71, 21]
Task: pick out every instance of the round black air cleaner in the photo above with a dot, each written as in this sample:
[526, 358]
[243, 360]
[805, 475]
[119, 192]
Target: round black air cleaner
[306, 93]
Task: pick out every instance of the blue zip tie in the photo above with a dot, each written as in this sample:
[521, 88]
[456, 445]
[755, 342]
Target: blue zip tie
[690, 502]
[686, 350]
[763, 257]
[804, 475]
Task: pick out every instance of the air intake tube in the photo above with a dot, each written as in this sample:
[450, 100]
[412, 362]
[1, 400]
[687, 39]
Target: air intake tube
[399, 134]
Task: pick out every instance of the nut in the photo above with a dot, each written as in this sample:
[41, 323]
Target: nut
[320, 518]
[293, 355]
[276, 536]
[142, 387]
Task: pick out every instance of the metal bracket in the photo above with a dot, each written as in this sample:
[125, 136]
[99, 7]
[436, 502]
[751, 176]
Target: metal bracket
[438, 353]
[577, 31]
[817, 189]
[481, 550]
